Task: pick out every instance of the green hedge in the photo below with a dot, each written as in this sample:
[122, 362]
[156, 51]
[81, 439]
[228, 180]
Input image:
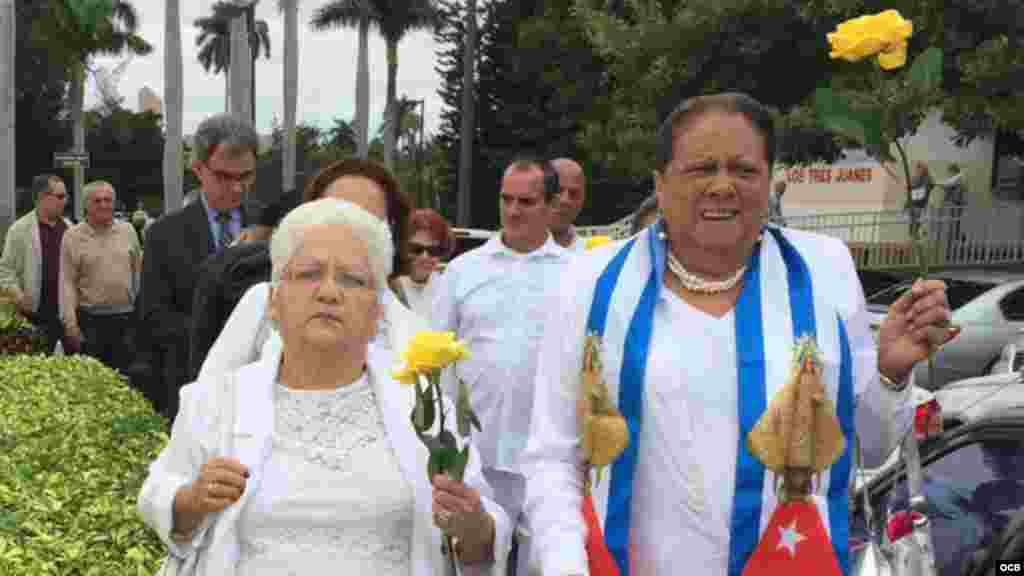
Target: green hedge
[75, 444]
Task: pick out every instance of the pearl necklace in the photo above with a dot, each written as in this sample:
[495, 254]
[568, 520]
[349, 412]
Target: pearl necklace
[695, 283]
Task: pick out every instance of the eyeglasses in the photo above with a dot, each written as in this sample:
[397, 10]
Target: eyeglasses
[314, 276]
[415, 249]
[243, 178]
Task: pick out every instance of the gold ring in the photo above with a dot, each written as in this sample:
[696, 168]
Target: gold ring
[443, 518]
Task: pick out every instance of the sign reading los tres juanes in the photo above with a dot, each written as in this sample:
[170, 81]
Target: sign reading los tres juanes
[827, 174]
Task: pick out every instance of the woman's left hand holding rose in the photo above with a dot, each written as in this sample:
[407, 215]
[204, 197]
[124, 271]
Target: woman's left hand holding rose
[459, 512]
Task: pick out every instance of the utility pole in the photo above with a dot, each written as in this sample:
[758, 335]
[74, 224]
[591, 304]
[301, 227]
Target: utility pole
[468, 118]
[7, 117]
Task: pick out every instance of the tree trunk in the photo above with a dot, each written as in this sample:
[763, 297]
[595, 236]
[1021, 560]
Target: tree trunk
[468, 118]
[227, 91]
[250, 20]
[239, 69]
[174, 164]
[363, 90]
[394, 117]
[78, 134]
[291, 87]
[8, 201]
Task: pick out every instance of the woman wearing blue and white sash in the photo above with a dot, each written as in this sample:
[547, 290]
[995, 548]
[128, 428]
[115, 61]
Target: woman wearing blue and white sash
[698, 316]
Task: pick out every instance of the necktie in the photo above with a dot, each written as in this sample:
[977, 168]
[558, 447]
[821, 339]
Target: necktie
[224, 222]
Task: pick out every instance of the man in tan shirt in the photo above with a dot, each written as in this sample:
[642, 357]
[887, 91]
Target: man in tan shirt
[100, 265]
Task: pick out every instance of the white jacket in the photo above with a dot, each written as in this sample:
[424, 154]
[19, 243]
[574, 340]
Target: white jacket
[199, 436]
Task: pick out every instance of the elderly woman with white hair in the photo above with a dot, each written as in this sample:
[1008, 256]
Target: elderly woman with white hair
[305, 461]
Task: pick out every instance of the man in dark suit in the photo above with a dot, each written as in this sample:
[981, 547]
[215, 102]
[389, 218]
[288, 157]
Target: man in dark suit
[176, 246]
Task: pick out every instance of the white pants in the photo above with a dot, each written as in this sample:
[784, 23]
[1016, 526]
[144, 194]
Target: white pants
[509, 492]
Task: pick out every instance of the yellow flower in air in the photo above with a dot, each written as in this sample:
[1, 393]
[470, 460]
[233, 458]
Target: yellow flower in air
[405, 375]
[595, 241]
[884, 34]
[428, 350]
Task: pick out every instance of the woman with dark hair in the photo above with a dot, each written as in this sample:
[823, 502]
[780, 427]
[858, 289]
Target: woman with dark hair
[247, 335]
[430, 243]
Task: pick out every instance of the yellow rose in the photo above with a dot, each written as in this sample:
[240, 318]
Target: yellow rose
[405, 375]
[595, 241]
[884, 34]
[428, 350]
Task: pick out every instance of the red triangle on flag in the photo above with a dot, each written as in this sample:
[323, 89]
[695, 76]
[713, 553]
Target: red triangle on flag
[599, 558]
[795, 542]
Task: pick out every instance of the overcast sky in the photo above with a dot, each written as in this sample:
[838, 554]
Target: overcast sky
[327, 70]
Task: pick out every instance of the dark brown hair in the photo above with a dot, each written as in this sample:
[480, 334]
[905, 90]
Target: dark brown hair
[436, 226]
[733, 102]
[397, 204]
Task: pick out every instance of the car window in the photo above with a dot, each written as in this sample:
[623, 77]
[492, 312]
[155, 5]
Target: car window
[1012, 306]
[972, 492]
[959, 293]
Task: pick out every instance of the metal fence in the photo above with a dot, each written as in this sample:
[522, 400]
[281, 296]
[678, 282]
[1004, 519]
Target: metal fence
[956, 237]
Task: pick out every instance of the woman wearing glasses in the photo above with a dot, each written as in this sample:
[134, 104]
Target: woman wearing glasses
[430, 243]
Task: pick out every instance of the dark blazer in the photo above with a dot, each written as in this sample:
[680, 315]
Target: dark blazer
[176, 247]
[223, 280]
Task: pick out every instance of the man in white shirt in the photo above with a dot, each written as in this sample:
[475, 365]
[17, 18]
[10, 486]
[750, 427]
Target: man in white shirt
[494, 297]
[572, 193]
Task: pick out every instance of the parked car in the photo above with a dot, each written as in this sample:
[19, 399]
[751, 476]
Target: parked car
[973, 483]
[990, 312]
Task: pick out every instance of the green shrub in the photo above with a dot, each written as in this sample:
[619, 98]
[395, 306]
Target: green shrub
[17, 335]
[75, 445]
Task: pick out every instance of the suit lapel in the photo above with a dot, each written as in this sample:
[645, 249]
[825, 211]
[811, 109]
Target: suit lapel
[203, 241]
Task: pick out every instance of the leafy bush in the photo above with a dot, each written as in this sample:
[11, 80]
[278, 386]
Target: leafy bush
[75, 444]
[17, 335]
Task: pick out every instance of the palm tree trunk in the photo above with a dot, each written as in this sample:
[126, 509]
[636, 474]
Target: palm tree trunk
[291, 87]
[363, 90]
[394, 118]
[8, 23]
[468, 118]
[174, 165]
[227, 92]
[78, 133]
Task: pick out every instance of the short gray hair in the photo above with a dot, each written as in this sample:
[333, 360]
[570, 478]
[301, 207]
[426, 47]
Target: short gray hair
[288, 238]
[96, 186]
[237, 136]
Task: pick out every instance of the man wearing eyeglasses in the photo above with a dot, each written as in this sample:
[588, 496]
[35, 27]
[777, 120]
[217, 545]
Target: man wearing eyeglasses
[30, 265]
[176, 246]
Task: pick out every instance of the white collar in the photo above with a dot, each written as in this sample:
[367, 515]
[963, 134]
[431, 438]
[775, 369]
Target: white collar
[549, 248]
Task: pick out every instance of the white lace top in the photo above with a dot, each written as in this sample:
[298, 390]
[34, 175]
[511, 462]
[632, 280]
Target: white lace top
[338, 503]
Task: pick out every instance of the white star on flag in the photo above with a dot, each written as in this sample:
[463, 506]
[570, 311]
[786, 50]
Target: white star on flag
[789, 537]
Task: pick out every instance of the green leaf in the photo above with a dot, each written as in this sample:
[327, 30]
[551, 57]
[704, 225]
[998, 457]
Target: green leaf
[458, 470]
[89, 13]
[925, 74]
[463, 410]
[429, 410]
[441, 461]
[475, 421]
[836, 114]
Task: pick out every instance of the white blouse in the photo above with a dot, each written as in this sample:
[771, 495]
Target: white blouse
[339, 502]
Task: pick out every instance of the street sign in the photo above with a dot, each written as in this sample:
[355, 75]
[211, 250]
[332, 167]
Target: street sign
[70, 159]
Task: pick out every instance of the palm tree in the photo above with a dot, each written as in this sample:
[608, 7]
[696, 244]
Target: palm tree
[354, 14]
[290, 8]
[174, 154]
[394, 19]
[68, 36]
[214, 40]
